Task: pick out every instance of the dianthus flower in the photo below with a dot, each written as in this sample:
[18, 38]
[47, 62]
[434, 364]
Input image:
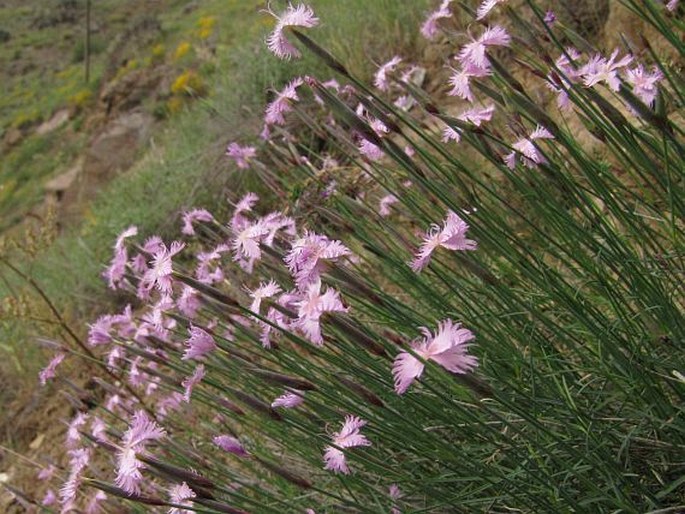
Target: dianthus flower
[160, 273]
[189, 302]
[571, 74]
[600, 69]
[73, 433]
[461, 80]
[311, 255]
[230, 444]
[429, 29]
[348, 437]
[369, 149]
[48, 371]
[190, 217]
[530, 155]
[117, 267]
[385, 203]
[474, 53]
[288, 400]
[180, 494]
[645, 83]
[78, 461]
[141, 431]
[100, 331]
[380, 79]
[242, 155]
[204, 273]
[283, 103]
[486, 6]
[447, 347]
[312, 306]
[190, 382]
[452, 235]
[199, 344]
[300, 16]
[49, 499]
[93, 505]
[477, 115]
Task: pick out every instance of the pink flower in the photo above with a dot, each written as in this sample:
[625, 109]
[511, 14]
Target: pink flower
[550, 18]
[311, 255]
[429, 29]
[395, 494]
[49, 371]
[283, 103]
[380, 79]
[246, 203]
[203, 272]
[486, 6]
[369, 149]
[93, 505]
[47, 473]
[49, 499]
[450, 134]
[230, 444]
[199, 344]
[190, 382]
[160, 273]
[312, 306]
[644, 83]
[474, 53]
[300, 16]
[448, 347]
[190, 217]
[117, 267]
[672, 5]
[477, 115]
[530, 155]
[265, 290]
[246, 243]
[99, 332]
[461, 80]
[288, 400]
[189, 302]
[180, 494]
[78, 461]
[242, 155]
[348, 437]
[73, 433]
[570, 75]
[141, 431]
[451, 236]
[385, 203]
[600, 69]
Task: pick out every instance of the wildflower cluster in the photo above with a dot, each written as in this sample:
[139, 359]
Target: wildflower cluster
[480, 314]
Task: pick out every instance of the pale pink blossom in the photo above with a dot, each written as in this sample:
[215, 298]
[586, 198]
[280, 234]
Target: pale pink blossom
[265, 290]
[209, 270]
[369, 149]
[429, 29]
[48, 371]
[93, 505]
[288, 400]
[245, 204]
[395, 494]
[477, 115]
[49, 499]
[73, 432]
[245, 245]
[300, 16]
[199, 344]
[450, 134]
[461, 80]
[190, 382]
[348, 437]
[385, 203]
[311, 255]
[475, 52]
[140, 432]
[380, 79]
[117, 267]
[47, 473]
[312, 306]
[283, 103]
[169, 403]
[486, 6]
[452, 235]
[447, 347]
[98, 429]
[180, 494]
[644, 83]
[78, 461]
[600, 69]
[189, 302]
[242, 155]
[230, 444]
[193, 216]
[672, 5]
[159, 274]
[550, 18]
[571, 74]
[100, 331]
[525, 148]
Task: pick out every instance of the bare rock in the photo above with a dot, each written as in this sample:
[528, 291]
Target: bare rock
[57, 120]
